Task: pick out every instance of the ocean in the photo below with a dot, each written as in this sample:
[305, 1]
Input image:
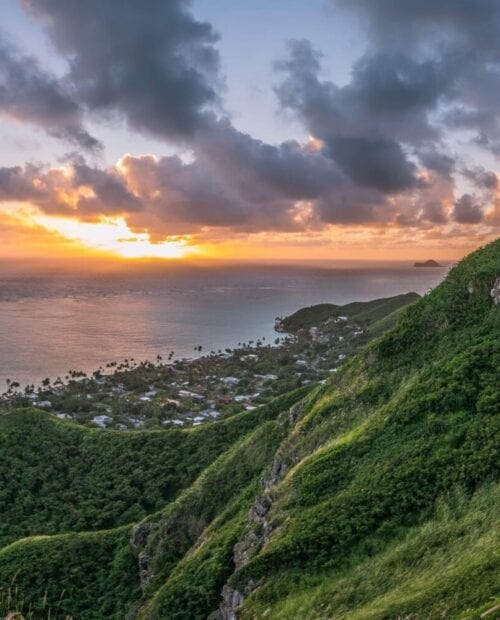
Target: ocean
[56, 321]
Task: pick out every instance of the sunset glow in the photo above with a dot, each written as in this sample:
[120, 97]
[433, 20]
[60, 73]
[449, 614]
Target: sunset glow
[114, 236]
[108, 236]
[334, 148]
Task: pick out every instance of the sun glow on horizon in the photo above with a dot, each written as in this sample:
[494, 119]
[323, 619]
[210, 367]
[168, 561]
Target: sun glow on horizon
[111, 235]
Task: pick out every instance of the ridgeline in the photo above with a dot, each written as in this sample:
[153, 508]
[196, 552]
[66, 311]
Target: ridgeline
[373, 496]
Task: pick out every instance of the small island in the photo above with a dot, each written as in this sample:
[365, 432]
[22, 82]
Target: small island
[428, 263]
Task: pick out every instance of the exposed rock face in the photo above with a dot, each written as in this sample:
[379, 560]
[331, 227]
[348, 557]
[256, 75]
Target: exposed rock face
[278, 471]
[140, 535]
[233, 599]
[138, 541]
[295, 412]
[495, 292]
[145, 573]
[259, 531]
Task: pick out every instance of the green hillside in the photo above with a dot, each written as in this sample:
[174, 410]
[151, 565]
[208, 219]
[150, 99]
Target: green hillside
[364, 312]
[374, 496]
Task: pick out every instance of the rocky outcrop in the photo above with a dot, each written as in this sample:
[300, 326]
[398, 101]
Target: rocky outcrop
[495, 292]
[138, 541]
[259, 530]
[140, 535]
[258, 535]
[295, 412]
[233, 599]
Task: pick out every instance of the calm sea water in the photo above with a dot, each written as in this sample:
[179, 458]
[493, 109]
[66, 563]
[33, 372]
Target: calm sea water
[55, 322]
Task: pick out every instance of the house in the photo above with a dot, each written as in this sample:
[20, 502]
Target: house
[210, 413]
[241, 398]
[188, 394]
[136, 422]
[268, 377]
[102, 421]
[229, 381]
[249, 357]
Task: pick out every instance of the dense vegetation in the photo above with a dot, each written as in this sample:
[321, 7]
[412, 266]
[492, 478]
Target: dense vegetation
[375, 496]
[364, 313]
[58, 477]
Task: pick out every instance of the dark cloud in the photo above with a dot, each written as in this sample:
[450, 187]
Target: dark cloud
[109, 191]
[30, 94]
[380, 153]
[433, 212]
[287, 169]
[481, 178]
[467, 210]
[349, 120]
[16, 183]
[354, 205]
[437, 161]
[404, 22]
[79, 190]
[429, 67]
[459, 40]
[376, 163]
[151, 62]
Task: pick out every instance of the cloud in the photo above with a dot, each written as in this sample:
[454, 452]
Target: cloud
[152, 63]
[379, 155]
[79, 191]
[109, 191]
[457, 41]
[467, 210]
[358, 132]
[30, 94]
[481, 178]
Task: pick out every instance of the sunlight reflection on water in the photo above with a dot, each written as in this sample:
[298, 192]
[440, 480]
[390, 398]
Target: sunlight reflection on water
[49, 324]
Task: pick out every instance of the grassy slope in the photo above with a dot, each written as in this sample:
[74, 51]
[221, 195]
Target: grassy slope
[93, 575]
[365, 312]
[390, 505]
[89, 576]
[412, 418]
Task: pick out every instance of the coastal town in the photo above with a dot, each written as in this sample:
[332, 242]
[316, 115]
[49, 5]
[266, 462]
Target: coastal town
[169, 392]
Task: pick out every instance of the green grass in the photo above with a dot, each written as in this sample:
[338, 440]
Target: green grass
[447, 567]
[85, 576]
[364, 312]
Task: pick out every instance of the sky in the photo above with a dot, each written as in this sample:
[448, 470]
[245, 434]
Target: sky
[278, 129]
